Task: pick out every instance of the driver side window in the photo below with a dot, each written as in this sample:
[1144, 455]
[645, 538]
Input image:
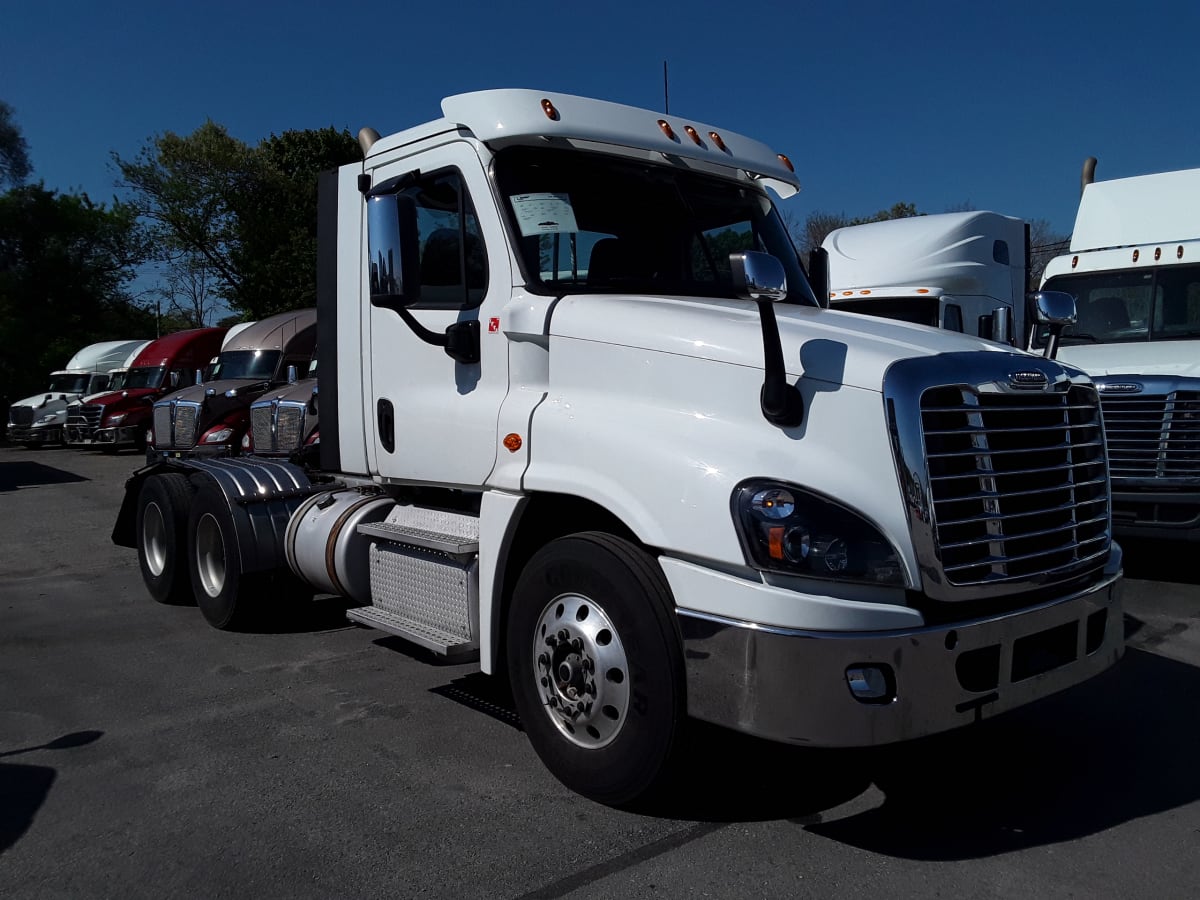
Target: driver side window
[452, 261]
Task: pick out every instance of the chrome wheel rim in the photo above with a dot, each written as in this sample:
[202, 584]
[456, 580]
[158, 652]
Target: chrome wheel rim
[154, 539]
[581, 671]
[210, 555]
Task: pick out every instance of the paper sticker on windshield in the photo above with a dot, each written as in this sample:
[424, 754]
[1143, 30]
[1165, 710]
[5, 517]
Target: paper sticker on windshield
[543, 213]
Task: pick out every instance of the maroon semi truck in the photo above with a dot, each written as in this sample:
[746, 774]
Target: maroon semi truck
[121, 418]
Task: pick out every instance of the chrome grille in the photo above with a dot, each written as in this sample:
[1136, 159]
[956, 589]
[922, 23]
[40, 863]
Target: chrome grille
[21, 415]
[1003, 470]
[277, 426]
[1153, 438]
[175, 424]
[1018, 482]
[84, 419]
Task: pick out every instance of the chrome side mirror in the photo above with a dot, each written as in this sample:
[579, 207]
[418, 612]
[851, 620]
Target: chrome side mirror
[291, 374]
[1055, 309]
[394, 249]
[757, 276]
[174, 378]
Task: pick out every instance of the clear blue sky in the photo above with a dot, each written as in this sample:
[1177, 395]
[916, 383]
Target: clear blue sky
[995, 104]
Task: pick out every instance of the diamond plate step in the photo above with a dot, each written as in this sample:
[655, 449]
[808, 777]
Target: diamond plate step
[399, 533]
[440, 642]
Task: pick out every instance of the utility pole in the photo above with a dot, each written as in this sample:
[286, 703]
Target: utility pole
[666, 94]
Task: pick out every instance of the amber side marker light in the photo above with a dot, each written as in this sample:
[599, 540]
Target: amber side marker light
[716, 139]
[787, 162]
[549, 110]
[512, 442]
[692, 133]
[775, 543]
[922, 290]
[667, 130]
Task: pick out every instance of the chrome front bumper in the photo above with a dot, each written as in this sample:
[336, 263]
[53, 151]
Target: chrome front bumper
[791, 685]
[120, 436]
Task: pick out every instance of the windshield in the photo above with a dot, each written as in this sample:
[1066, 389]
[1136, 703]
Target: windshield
[68, 384]
[1161, 304]
[116, 381]
[253, 364]
[592, 223]
[143, 377]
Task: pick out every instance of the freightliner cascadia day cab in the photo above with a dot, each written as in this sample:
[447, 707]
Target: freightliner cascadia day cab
[209, 419]
[285, 420]
[76, 427]
[121, 417]
[583, 417]
[41, 419]
[1134, 268]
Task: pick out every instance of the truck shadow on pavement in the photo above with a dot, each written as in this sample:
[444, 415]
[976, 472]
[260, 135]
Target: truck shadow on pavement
[21, 474]
[23, 788]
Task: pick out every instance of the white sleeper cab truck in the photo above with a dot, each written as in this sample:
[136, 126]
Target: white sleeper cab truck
[42, 418]
[583, 417]
[963, 272]
[1134, 269]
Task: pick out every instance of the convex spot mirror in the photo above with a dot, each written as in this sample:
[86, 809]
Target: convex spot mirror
[757, 276]
[394, 250]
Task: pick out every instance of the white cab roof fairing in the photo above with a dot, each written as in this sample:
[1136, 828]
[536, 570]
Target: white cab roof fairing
[951, 251]
[103, 356]
[1137, 358]
[514, 115]
[1145, 209]
[133, 355]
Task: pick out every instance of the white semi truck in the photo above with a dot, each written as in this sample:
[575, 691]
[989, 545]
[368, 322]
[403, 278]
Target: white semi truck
[1134, 269]
[582, 417]
[40, 420]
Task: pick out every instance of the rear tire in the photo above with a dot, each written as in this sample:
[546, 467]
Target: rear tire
[596, 666]
[227, 597]
[162, 515]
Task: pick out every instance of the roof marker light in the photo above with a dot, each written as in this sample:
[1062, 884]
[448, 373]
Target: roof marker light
[1135, 255]
[847, 293]
[1074, 261]
[549, 110]
[787, 162]
[691, 132]
[1157, 253]
[922, 290]
[716, 139]
[864, 292]
[1179, 252]
[667, 130]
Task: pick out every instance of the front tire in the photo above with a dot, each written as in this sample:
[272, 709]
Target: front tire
[162, 515]
[595, 664]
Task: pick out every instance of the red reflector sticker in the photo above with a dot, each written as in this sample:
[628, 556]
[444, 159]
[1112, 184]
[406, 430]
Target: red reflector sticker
[493, 325]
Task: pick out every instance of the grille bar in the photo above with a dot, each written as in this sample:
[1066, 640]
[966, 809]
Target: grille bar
[1154, 438]
[985, 517]
[1069, 526]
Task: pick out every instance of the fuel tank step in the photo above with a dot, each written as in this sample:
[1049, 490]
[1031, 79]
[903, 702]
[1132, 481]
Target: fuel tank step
[441, 642]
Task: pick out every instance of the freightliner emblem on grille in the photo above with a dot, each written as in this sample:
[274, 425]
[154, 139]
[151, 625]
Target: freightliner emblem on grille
[1030, 380]
[1119, 387]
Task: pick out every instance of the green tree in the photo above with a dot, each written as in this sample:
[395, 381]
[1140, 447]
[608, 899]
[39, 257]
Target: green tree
[244, 215]
[14, 152]
[65, 267]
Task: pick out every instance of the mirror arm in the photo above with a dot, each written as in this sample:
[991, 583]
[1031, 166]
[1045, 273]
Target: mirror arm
[460, 340]
[782, 404]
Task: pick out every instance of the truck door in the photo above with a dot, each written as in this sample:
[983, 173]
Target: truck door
[434, 417]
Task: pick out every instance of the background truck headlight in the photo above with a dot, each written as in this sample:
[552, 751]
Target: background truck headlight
[116, 419]
[215, 437]
[787, 529]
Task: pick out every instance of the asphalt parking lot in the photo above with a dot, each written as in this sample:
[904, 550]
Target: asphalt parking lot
[144, 754]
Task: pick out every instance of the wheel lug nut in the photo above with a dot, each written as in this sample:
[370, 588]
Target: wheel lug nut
[563, 634]
[544, 660]
[554, 701]
[577, 644]
[551, 641]
[545, 681]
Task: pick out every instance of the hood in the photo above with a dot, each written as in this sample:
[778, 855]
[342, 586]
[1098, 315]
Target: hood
[1171, 358]
[821, 344]
[113, 399]
[197, 392]
[39, 401]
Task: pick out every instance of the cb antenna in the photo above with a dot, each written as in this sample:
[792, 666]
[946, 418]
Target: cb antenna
[666, 93]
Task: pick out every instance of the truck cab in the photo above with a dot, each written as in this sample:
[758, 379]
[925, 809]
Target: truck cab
[1134, 268]
[964, 272]
[41, 419]
[120, 417]
[584, 420]
[286, 420]
[210, 419]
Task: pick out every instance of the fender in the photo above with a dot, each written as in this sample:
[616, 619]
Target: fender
[261, 494]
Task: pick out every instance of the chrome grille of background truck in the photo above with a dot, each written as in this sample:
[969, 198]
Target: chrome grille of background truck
[186, 419]
[1006, 483]
[1153, 435]
[277, 426]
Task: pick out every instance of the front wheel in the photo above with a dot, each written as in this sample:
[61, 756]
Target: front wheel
[595, 664]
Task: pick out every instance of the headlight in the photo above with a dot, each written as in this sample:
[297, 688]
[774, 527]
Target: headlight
[787, 529]
[116, 419]
[45, 420]
[215, 437]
